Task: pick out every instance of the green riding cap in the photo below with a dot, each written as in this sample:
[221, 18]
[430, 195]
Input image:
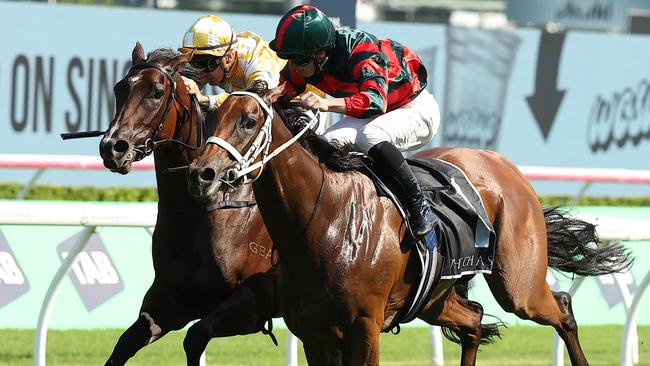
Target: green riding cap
[303, 31]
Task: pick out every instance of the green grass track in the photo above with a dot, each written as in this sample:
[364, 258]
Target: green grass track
[520, 346]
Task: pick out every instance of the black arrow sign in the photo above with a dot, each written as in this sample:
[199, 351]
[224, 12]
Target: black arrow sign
[546, 100]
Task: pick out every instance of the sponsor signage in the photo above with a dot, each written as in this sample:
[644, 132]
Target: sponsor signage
[93, 273]
[13, 282]
[575, 99]
[342, 12]
[592, 14]
[610, 289]
[473, 115]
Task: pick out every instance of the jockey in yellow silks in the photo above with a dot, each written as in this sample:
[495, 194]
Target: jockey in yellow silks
[229, 60]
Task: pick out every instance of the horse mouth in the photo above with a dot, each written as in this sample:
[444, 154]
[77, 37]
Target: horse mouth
[117, 155]
[122, 165]
[124, 169]
[200, 192]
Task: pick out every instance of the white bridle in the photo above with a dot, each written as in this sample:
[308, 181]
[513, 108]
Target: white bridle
[260, 145]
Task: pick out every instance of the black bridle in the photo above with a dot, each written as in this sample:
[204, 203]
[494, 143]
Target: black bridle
[150, 144]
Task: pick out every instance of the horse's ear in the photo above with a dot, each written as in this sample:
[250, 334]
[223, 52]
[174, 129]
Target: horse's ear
[179, 61]
[137, 56]
[273, 94]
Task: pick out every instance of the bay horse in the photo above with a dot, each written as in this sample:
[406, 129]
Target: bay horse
[211, 259]
[346, 273]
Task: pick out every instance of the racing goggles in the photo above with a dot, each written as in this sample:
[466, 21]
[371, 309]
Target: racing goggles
[302, 61]
[207, 64]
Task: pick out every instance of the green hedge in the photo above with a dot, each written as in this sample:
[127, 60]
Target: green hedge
[65, 193]
[149, 194]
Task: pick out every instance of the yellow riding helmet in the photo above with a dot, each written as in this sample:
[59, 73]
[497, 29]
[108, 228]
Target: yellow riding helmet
[209, 35]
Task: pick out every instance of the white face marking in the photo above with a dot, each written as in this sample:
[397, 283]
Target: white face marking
[134, 79]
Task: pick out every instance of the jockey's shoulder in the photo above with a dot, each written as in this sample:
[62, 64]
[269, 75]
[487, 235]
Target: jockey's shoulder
[250, 35]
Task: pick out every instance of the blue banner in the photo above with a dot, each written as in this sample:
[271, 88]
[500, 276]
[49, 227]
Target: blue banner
[576, 99]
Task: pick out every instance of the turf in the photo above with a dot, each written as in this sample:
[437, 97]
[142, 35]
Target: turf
[519, 346]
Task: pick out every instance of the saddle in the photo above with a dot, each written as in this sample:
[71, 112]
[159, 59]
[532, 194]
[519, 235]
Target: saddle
[466, 239]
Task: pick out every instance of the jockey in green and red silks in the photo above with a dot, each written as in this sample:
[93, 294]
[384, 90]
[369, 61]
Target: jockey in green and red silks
[374, 76]
[378, 84]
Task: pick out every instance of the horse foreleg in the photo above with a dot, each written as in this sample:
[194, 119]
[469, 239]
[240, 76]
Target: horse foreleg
[318, 355]
[139, 334]
[159, 314]
[362, 342]
[461, 316]
[244, 312]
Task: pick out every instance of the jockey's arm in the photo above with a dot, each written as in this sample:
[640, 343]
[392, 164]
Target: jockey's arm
[372, 81]
[193, 89]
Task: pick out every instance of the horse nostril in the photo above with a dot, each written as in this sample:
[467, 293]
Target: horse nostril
[121, 146]
[208, 174]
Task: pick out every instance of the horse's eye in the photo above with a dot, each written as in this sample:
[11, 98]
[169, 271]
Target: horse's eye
[158, 93]
[249, 123]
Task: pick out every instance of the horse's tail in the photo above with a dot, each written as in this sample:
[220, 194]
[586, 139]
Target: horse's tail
[574, 247]
[489, 332]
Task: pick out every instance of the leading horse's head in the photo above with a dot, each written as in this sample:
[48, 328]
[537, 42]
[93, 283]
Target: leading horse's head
[242, 137]
[143, 98]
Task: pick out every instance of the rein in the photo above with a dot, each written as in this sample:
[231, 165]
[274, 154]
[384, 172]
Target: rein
[150, 144]
[260, 145]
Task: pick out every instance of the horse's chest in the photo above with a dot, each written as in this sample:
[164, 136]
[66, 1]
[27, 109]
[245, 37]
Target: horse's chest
[185, 269]
[312, 314]
[308, 306]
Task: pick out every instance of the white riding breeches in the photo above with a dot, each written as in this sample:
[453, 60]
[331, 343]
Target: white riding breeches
[408, 127]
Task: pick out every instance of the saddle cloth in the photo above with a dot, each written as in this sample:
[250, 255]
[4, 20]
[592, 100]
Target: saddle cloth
[466, 238]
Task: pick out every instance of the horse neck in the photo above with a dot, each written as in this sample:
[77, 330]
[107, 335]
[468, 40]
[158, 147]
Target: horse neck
[290, 185]
[172, 187]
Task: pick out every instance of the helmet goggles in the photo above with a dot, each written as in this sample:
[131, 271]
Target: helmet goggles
[301, 60]
[205, 63]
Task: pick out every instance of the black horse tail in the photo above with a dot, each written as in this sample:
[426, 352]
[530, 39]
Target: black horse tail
[489, 332]
[574, 247]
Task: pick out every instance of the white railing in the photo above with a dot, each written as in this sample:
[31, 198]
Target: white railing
[588, 176]
[608, 229]
[89, 216]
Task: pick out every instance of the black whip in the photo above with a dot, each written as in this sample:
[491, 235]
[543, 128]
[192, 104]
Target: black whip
[80, 135]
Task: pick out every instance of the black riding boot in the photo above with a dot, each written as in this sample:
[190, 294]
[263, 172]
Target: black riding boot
[391, 162]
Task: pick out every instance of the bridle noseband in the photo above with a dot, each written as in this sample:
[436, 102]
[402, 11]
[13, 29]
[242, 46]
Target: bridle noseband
[146, 148]
[260, 145]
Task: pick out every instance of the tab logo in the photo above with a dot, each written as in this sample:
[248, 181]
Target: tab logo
[610, 289]
[13, 282]
[93, 273]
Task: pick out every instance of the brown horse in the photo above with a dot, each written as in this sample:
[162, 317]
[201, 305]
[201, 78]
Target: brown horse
[345, 274]
[211, 259]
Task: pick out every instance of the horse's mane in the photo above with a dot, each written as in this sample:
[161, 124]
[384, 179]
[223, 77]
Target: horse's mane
[162, 53]
[166, 54]
[338, 159]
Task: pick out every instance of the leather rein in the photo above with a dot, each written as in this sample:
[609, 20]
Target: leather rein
[150, 144]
